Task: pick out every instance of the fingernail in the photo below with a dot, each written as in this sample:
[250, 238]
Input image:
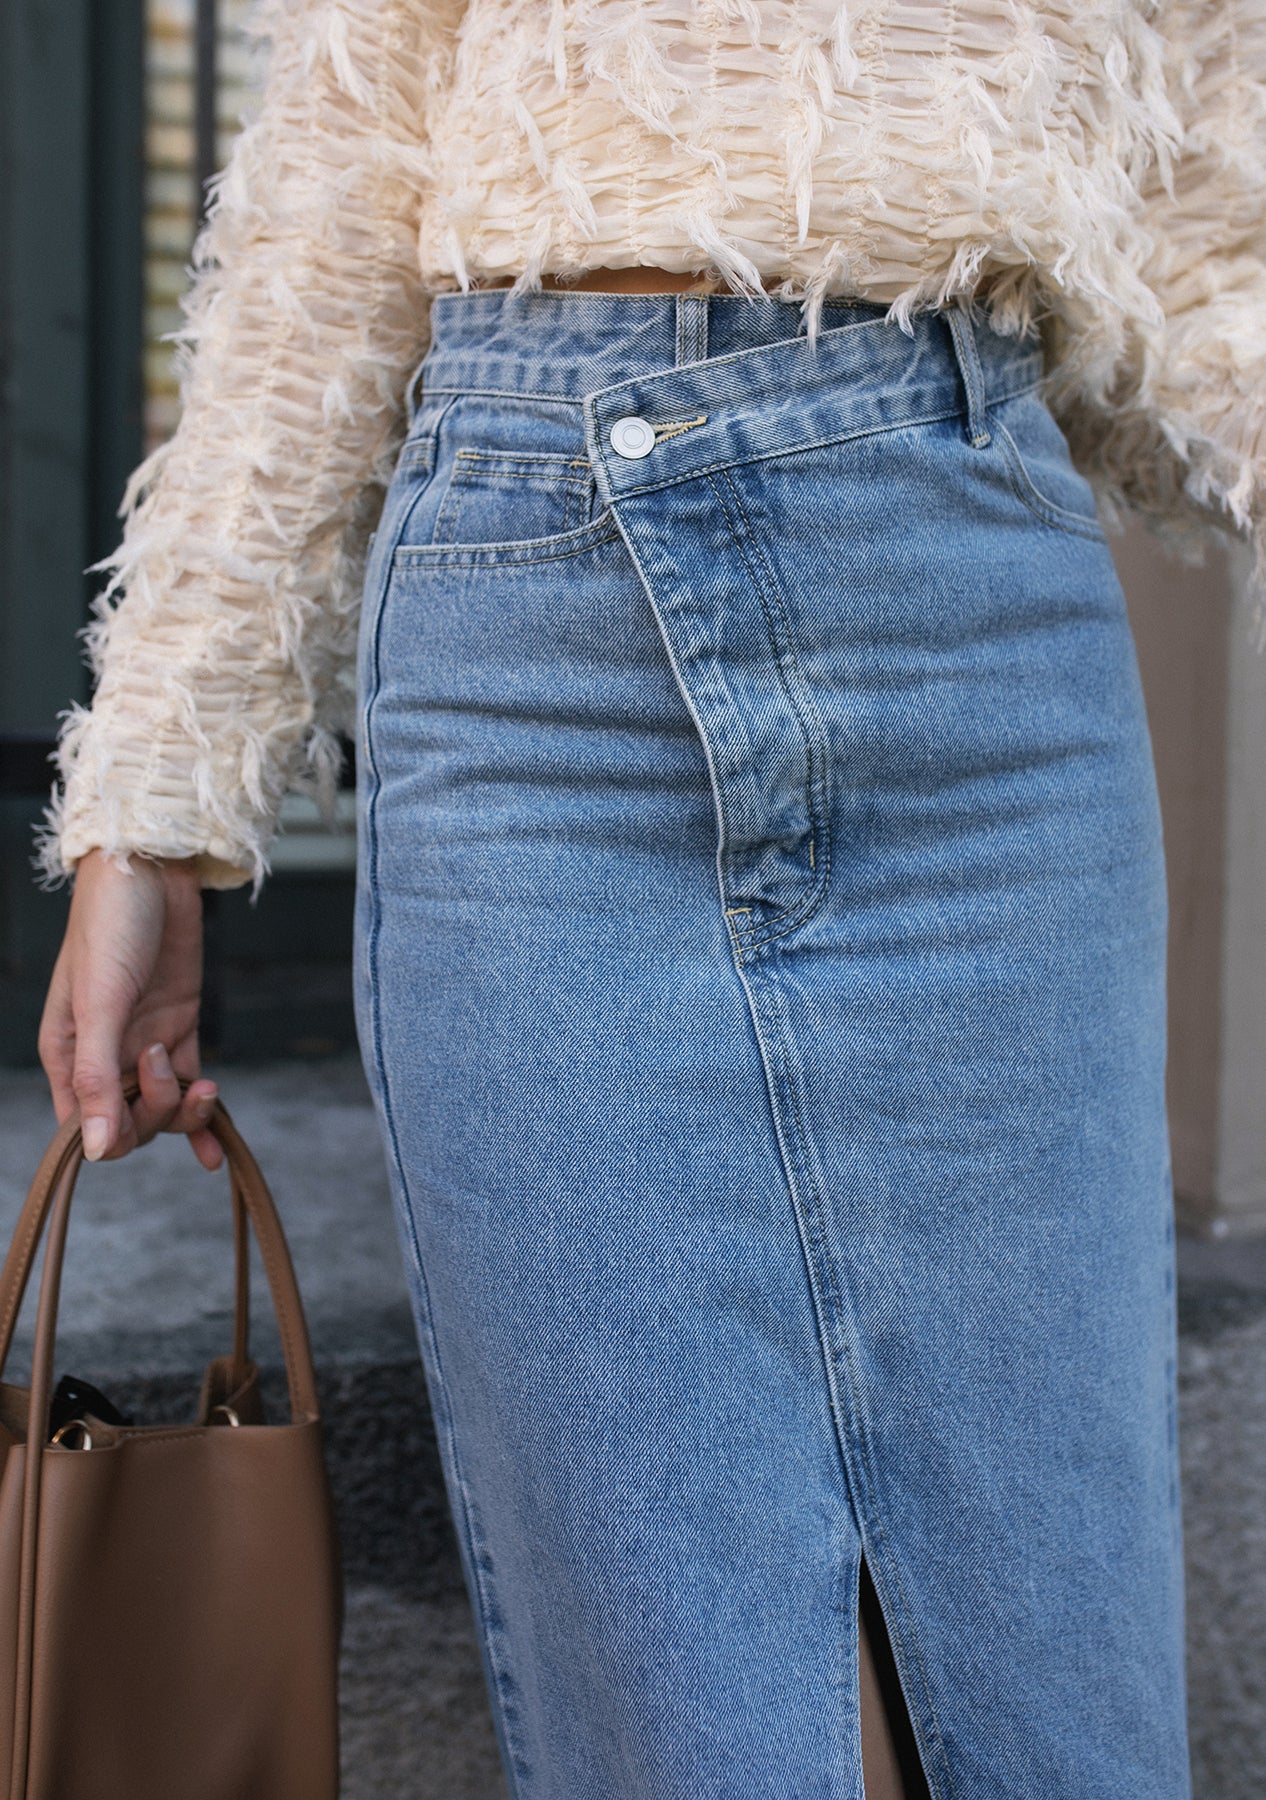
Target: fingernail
[159, 1061]
[96, 1137]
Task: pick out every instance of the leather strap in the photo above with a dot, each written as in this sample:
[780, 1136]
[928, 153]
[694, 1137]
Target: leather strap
[36, 1427]
[241, 1281]
[15, 1275]
[251, 1201]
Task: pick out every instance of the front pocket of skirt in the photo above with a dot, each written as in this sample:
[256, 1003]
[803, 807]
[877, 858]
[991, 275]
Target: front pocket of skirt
[507, 497]
[509, 552]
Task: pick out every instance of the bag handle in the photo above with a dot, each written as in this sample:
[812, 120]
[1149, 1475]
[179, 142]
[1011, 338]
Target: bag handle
[48, 1202]
[50, 1192]
[18, 1264]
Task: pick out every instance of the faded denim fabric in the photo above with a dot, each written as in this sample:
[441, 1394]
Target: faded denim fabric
[760, 975]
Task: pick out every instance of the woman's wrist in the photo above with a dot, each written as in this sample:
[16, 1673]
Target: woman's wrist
[139, 861]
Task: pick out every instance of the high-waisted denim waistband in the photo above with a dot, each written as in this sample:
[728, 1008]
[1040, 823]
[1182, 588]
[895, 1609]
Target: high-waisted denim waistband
[719, 365]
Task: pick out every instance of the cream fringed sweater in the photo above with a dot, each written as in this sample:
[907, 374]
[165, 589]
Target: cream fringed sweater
[1098, 166]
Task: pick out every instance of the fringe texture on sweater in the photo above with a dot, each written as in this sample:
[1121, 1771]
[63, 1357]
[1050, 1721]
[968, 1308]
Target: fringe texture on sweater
[1095, 169]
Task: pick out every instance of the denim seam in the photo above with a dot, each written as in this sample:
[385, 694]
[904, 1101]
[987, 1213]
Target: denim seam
[477, 1561]
[470, 459]
[416, 455]
[464, 477]
[691, 329]
[512, 555]
[747, 940]
[811, 1197]
[718, 798]
[679, 332]
[552, 459]
[474, 387]
[854, 1603]
[734, 356]
[1029, 495]
[813, 443]
[962, 332]
[516, 393]
[811, 727]
[417, 461]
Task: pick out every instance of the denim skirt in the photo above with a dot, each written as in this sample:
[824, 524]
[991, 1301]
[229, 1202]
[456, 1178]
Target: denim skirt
[760, 976]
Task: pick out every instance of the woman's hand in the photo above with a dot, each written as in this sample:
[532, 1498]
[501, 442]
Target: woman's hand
[124, 995]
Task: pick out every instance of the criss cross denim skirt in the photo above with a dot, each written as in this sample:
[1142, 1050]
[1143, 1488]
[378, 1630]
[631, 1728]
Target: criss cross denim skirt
[759, 973]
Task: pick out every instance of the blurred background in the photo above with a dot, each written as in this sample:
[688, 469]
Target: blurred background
[113, 114]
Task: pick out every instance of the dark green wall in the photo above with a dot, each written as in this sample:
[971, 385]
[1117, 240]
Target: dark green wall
[71, 140]
[71, 216]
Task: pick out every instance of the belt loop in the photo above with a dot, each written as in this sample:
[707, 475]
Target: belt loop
[692, 328]
[412, 397]
[959, 321]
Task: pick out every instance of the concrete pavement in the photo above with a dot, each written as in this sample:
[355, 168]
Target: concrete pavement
[146, 1301]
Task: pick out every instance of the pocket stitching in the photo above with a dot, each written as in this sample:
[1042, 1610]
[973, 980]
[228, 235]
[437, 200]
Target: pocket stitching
[1029, 495]
[520, 551]
[551, 458]
[465, 467]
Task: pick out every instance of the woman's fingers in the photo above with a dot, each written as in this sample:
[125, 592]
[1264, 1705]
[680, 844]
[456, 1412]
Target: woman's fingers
[162, 1106]
[199, 1104]
[196, 1109]
[160, 1097]
[108, 1129]
[207, 1148]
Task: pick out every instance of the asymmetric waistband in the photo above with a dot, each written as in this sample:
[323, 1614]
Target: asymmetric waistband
[568, 345]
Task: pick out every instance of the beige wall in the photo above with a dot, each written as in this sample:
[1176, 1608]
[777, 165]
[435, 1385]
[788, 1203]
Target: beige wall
[1241, 1185]
[1206, 694]
[1181, 619]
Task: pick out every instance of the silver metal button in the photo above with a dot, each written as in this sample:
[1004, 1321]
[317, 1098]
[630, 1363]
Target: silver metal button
[631, 437]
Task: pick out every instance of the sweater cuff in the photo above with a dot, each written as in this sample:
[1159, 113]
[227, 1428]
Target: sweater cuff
[152, 794]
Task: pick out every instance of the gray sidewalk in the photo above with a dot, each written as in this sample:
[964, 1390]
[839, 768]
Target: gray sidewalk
[146, 1300]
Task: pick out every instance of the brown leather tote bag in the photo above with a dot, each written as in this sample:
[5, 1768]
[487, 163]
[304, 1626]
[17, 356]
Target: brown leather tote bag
[170, 1596]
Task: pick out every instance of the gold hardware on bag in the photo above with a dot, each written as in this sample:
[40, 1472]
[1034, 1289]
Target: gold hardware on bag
[228, 1412]
[79, 1425]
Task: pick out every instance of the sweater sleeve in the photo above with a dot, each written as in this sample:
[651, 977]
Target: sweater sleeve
[1182, 437]
[222, 642]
